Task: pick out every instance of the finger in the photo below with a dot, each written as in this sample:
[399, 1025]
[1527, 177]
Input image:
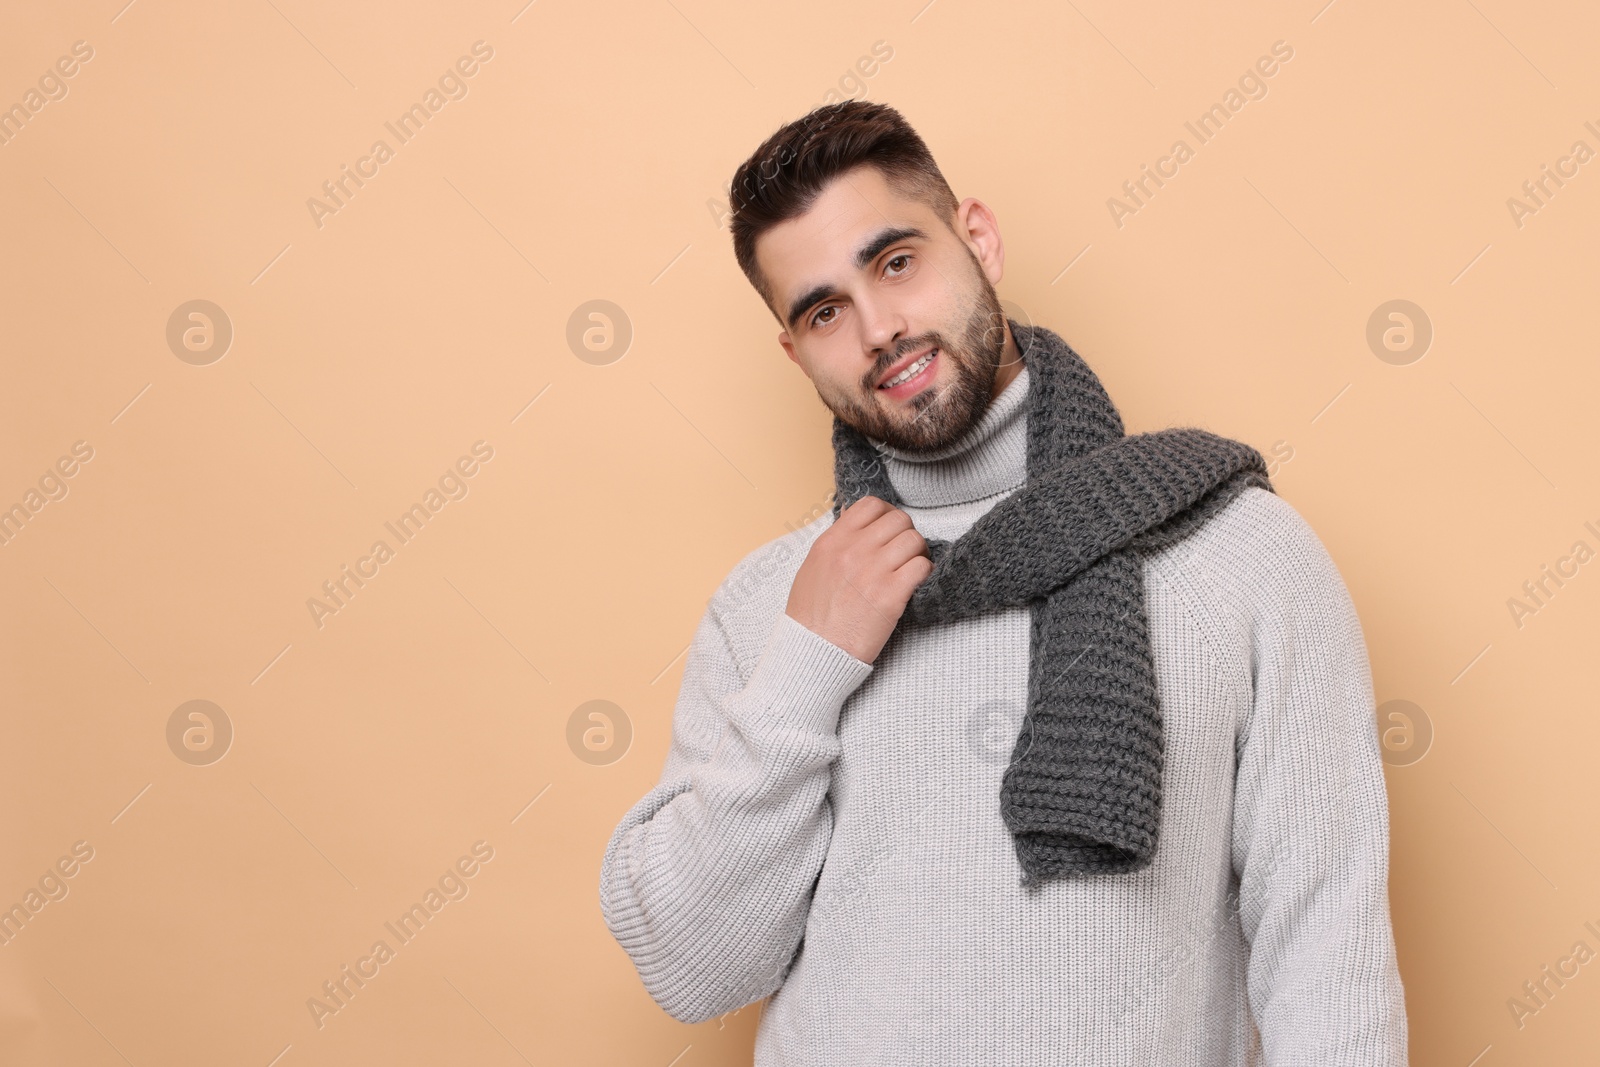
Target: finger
[902, 547]
[912, 573]
[861, 513]
[886, 527]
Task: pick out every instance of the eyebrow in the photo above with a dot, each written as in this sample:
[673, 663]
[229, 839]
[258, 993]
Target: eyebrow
[868, 251]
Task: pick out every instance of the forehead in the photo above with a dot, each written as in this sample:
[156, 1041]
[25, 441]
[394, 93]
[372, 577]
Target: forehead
[819, 246]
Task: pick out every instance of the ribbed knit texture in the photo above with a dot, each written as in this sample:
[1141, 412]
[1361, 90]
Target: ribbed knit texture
[1082, 794]
[827, 832]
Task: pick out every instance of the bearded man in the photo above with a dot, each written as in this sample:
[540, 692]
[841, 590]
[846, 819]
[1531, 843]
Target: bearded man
[1048, 744]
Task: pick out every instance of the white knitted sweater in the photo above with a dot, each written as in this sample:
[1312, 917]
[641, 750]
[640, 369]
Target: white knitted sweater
[827, 831]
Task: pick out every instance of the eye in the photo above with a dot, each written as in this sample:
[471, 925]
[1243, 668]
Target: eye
[903, 256]
[816, 318]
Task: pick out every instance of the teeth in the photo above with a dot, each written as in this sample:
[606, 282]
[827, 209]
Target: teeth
[911, 371]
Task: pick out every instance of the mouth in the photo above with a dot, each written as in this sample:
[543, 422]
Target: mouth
[910, 375]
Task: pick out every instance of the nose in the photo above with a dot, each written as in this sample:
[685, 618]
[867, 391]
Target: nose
[883, 326]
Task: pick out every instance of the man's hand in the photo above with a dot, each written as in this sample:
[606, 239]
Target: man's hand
[859, 575]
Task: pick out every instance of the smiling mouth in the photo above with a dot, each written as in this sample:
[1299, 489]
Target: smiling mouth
[912, 378]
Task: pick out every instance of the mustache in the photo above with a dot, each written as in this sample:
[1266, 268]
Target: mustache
[930, 341]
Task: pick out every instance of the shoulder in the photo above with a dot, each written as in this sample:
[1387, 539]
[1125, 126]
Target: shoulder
[1255, 568]
[1257, 531]
[756, 589]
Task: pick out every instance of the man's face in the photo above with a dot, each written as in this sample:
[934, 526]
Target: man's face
[868, 285]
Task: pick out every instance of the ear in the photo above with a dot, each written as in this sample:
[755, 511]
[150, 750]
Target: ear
[788, 349]
[978, 228]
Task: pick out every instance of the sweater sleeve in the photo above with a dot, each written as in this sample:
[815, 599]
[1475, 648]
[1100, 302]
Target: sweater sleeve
[1310, 825]
[707, 881]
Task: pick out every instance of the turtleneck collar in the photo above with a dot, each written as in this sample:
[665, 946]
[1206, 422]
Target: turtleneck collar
[991, 457]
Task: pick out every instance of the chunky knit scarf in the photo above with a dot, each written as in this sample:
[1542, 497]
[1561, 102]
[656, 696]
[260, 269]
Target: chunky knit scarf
[1082, 794]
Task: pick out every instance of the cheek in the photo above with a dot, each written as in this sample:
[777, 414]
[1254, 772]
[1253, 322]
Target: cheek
[941, 297]
[847, 381]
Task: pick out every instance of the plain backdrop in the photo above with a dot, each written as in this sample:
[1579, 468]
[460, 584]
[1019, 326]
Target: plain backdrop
[348, 358]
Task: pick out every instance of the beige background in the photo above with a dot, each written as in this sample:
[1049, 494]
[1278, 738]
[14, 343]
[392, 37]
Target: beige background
[587, 161]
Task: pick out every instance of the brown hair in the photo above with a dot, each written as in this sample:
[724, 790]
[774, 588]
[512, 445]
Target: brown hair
[784, 177]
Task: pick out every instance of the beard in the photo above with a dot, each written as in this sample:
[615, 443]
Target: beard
[942, 412]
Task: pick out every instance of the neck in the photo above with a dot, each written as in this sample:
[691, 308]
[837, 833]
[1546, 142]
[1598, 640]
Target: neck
[1010, 364]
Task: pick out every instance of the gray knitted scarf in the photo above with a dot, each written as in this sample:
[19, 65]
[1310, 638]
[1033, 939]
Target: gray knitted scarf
[1082, 794]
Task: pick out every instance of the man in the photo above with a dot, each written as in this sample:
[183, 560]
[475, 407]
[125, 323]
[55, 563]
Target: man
[900, 826]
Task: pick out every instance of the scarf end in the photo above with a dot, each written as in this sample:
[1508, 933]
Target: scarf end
[1048, 858]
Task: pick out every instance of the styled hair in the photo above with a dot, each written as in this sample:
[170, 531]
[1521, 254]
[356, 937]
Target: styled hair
[783, 178]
